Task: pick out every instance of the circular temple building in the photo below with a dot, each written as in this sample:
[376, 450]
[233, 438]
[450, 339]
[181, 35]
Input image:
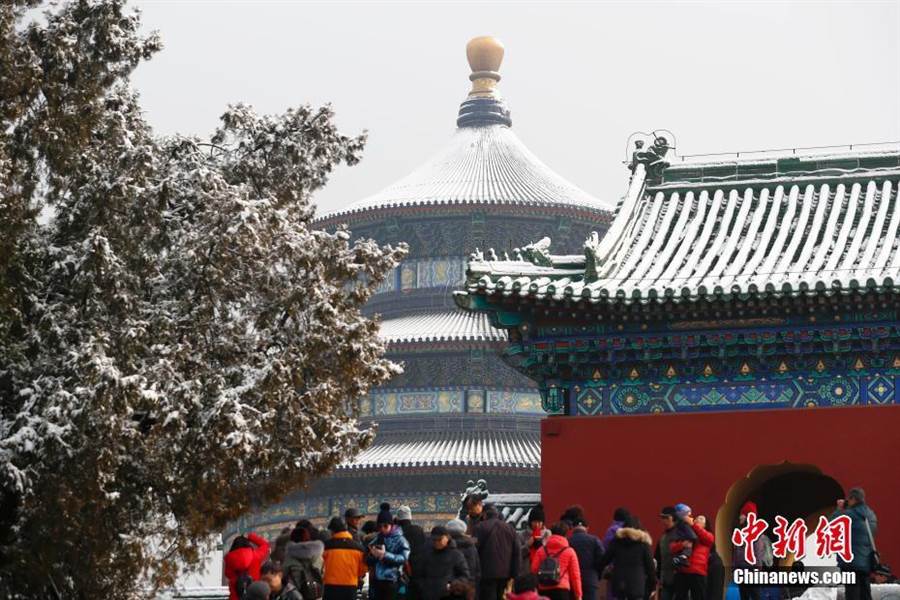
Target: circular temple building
[458, 412]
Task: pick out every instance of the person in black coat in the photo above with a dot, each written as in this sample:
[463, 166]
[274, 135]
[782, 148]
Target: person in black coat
[631, 556]
[441, 564]
[418, 545]
[466, 545]
[499, 553]
[589, 549]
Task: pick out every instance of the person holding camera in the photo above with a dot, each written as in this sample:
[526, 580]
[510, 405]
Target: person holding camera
[863, 527]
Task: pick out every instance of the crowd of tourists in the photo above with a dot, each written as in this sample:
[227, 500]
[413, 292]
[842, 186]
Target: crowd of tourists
[482, 557]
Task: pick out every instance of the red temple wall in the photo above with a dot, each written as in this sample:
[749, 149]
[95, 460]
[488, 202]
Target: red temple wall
[648, 461]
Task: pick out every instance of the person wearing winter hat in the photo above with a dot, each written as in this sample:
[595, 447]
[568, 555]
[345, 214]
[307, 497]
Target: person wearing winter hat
[682, 533]
[533, 537]
[388, 552]
[345, 563]
[690, 575]
[466, 545]
[863, 530]
[665, 568]
[354, 518]
[441, 564]
[589, 549]
[761, 551]
[620, 515]
[415, 535]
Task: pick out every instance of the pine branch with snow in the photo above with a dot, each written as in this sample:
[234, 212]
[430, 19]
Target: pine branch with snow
[177, 343]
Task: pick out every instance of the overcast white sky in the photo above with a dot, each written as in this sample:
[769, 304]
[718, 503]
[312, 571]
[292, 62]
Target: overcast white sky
[579, 77]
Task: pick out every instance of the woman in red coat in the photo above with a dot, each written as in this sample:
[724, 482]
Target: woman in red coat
[690, 579]
[568, 587]
[246, 556]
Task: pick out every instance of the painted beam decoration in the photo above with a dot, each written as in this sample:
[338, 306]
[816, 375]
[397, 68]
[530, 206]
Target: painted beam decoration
[770, 284]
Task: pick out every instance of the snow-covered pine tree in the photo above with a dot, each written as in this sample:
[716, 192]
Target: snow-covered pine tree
[177, 343]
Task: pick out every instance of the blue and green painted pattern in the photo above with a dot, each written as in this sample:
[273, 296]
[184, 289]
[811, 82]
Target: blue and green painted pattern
[798, 392]
[451, 401]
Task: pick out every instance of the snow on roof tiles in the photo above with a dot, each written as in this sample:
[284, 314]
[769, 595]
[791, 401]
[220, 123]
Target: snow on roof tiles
[516, 449]
[792, 236]
[442, 326]
[480, 165]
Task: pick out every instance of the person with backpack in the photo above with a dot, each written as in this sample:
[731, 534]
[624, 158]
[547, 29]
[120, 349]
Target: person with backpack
[303, 562]
[279, 588]
[499, 553]
[387, 553]
[556, 566]
[242, 563]
[631, 557]
[344, 563]
[532, 538]
[589, 549]
[441, 565]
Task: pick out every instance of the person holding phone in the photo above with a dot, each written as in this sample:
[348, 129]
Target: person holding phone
[388, 552]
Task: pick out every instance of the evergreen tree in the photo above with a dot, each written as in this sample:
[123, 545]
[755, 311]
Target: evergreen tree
[177, 343]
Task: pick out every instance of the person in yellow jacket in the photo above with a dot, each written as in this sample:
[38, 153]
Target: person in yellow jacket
[344, 563]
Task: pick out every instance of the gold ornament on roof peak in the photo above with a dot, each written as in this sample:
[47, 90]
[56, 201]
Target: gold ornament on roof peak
[485, 53]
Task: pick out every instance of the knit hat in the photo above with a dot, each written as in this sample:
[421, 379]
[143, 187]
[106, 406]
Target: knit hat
[404, 513]
[456, 526]
[749, 507]
[537, 513]
[858, 493]
[668, 511]
[384, 514]
[258, 590]
[682, 510]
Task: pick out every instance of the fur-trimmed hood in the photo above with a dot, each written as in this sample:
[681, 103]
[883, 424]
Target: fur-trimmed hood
[305, 550]
[635, 535]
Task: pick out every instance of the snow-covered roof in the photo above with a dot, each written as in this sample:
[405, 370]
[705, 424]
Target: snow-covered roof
[516, 449]
[487, 164]
[440, 326]
[484, 161]
[801, 233]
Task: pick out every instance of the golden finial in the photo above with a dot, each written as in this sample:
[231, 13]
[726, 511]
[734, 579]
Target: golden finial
[485, 53]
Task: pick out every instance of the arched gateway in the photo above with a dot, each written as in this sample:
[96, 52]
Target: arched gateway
[734, 336]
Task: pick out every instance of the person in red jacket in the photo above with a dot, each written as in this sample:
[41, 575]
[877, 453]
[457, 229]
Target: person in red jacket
[690, 579]
[246, 556]
[568, 586]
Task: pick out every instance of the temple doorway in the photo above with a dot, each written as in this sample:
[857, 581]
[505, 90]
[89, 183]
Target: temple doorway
[787, 489]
